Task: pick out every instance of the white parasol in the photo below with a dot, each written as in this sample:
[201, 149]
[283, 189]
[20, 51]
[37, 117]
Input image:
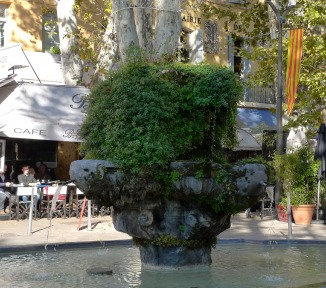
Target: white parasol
[295, 140]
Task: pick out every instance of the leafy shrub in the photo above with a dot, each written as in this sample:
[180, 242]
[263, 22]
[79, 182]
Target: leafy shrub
[144, 116]
[299, 175]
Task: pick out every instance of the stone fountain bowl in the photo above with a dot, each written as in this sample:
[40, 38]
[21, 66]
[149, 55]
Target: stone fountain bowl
[175, 222]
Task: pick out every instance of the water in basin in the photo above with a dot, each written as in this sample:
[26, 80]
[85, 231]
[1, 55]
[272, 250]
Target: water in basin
[234, 265]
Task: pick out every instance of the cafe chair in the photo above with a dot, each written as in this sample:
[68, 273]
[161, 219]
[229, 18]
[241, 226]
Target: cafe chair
[268, 202]
[265, 206]
[19, 205]
[76, 204]
[12, 207]
[53, 202]
[103, 211]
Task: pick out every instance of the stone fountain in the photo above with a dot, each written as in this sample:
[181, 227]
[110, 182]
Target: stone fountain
[147, 116]
[174, 223]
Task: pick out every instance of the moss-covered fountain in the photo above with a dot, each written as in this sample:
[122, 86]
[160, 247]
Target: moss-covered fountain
[161, 131]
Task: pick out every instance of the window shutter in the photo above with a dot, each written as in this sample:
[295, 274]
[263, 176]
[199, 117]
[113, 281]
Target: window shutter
[196, 46]
[246, 63]
[230, 52]
[211, 39]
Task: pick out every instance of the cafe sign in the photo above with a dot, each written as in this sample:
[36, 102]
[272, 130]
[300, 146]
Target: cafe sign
[39, 131]
[44, 112]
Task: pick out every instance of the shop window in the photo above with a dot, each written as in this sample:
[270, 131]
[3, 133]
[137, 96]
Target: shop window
[20, 152]
[50, 37]
[27, 151]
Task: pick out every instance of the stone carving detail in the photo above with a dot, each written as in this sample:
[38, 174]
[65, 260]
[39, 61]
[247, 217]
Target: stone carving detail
[211, 37]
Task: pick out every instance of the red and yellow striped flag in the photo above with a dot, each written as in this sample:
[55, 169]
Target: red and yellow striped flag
[293, 68]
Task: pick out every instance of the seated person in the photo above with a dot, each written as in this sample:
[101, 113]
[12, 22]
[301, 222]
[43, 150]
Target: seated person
[4, 194]
[43, 174]
[27, 179]
[32, 172]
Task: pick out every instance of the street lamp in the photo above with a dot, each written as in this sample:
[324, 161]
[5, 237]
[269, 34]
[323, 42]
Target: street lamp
[280, 15]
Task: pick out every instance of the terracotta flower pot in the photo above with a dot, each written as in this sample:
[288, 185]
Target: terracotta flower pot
[302, 214]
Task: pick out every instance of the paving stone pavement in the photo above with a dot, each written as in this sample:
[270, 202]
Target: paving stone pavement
[268, 228]
[57, 231]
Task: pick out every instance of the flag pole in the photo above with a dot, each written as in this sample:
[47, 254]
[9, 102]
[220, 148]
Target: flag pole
[279, 115]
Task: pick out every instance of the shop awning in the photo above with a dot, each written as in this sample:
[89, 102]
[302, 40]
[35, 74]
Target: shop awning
[251, 121]
[246, 142]
[42, 112]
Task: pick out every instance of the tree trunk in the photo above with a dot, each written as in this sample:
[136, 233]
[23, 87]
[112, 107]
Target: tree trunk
[107, 58]
[124, 24]
[168, 27]
[71, 63]
[143, 12]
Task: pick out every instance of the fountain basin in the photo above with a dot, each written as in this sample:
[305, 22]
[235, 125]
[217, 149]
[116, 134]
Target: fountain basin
[234, 264]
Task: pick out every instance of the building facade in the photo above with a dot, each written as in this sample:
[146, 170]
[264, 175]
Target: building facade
[30, 66]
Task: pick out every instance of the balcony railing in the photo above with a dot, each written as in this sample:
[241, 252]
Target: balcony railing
[259, 95]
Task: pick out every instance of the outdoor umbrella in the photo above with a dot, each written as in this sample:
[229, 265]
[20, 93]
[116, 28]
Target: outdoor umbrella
[320, 150]
[295, 140]
[320, 153]
[290, 142]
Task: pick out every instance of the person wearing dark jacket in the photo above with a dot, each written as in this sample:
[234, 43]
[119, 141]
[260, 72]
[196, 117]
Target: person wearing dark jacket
[4, 194]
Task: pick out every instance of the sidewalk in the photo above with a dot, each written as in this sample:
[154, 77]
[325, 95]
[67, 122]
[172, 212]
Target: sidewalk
[58, 230]
[269, 229]
[14, 233]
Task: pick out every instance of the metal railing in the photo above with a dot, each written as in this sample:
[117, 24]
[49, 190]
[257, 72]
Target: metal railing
[264, 95]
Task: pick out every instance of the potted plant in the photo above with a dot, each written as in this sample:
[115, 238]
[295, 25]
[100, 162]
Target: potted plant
[298, 173]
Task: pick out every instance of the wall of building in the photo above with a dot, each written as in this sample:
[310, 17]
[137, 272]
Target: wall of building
[28, 29]
[67, 152]
[25, 22]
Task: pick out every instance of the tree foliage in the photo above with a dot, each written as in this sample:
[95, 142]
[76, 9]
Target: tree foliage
[254, 25]
[147, 115]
